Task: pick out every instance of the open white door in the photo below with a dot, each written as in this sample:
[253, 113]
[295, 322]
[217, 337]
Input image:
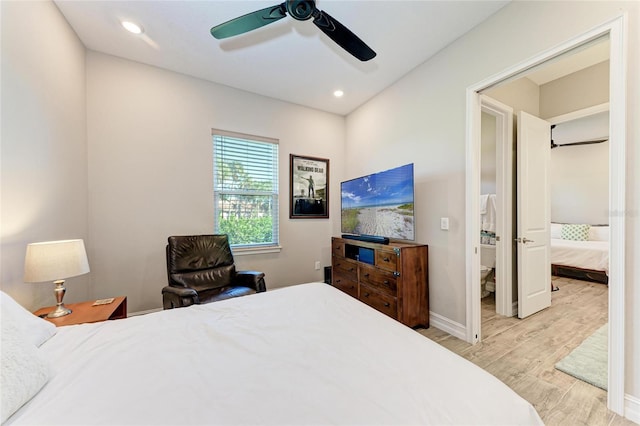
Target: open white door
[534, 214]
[504, 279]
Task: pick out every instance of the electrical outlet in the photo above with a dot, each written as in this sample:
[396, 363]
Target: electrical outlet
[444, 223]
[317, 265]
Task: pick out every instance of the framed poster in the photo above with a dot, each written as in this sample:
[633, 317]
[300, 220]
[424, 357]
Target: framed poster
[308, 187]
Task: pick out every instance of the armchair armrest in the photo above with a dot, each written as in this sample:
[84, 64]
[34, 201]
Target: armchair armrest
[179, 297]
[252, 279]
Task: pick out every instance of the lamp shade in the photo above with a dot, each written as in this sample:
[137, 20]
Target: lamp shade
[55, 260]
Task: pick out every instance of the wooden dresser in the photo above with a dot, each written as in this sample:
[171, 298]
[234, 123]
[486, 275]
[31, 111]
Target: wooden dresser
[392, 278]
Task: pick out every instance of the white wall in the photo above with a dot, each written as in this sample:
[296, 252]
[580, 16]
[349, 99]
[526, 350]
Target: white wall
[580, 184]
[151, 173]
[580, 173]
[423, 115]
[568, 94]
[488, 154]
[521, 95]
[43, 136]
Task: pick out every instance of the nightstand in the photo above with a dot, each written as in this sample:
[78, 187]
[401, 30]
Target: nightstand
[86, 312]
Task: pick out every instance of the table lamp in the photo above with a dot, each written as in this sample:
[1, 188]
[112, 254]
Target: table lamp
[55, 261]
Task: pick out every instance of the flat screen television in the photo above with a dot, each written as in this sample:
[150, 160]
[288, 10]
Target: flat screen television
[379, 205]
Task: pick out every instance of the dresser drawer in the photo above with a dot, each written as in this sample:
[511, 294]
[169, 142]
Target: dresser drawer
[337, 248]
[348, 286]
[379, 279]
[345, 268]
[383, 302]
[387, 260]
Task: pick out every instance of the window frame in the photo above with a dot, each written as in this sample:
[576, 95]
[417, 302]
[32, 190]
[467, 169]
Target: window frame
[252, 248]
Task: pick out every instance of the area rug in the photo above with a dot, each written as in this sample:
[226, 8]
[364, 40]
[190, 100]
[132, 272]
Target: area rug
[588, 362]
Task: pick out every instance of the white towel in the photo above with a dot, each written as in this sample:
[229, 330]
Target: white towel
[483, 203]
[488, 219]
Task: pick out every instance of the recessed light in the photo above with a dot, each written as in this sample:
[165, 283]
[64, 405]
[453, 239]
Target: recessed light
[338, 93]
[132, 27]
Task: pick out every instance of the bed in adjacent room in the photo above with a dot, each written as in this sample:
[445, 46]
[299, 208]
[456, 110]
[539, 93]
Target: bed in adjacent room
[305, 354]
[580, 251]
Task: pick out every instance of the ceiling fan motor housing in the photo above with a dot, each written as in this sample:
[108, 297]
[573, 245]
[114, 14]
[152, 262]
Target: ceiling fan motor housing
[301, 10]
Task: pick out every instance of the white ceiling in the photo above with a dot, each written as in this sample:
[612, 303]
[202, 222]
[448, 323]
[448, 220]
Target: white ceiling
[582, 57]
[288, 60]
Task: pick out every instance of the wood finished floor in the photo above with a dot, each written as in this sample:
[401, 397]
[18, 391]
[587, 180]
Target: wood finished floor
[522, 353]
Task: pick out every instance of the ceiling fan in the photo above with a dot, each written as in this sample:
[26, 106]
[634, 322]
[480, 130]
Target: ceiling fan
[300, 10]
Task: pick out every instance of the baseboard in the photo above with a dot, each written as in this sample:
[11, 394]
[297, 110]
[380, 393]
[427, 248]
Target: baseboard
[445, 324]
[632, 408]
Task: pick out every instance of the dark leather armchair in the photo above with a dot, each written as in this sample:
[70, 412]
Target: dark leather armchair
[200, 269]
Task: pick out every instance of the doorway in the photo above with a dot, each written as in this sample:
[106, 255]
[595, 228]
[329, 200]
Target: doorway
[497, 208]
[614, 30]
[577, 176]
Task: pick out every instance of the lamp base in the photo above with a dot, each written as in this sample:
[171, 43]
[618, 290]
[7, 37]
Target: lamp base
[59, 311]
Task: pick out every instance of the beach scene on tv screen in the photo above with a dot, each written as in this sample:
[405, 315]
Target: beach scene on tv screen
[380, 204]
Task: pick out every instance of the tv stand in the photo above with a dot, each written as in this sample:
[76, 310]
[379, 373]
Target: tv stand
[392, 278]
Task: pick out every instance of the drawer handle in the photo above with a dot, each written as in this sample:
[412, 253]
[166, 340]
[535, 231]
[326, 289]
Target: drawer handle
[366, 295]
[386, 259]
[338, 281]
[366, 275]
[387, 304]
[386, 282]
[353, 286]
[350, 269]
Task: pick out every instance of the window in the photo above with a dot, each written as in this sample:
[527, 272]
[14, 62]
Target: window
[245, 188]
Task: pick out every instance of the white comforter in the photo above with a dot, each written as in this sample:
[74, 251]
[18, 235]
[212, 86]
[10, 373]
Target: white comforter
[581, 254]
[306, 354]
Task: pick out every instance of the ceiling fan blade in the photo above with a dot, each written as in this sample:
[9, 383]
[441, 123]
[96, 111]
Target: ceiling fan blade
[342, 36]
[249, 22]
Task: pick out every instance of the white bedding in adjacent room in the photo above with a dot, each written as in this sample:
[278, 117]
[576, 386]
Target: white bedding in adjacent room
[306, 354]
[592, 255]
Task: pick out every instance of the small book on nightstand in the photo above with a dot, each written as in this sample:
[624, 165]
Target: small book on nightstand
[103, 301]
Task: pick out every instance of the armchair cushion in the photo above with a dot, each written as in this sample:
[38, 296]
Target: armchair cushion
[205, 279]
[224, 293]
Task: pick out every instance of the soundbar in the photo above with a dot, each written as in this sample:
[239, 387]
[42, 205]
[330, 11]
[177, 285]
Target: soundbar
[367, 238]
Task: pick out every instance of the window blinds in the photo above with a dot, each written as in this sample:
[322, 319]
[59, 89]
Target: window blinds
[246, 188]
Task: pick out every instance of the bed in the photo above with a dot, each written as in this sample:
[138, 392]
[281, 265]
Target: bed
[585, 258]
[305, 354]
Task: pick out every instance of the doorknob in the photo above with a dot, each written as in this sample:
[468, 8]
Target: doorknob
[524, 240]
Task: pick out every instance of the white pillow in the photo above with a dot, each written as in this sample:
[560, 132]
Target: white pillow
[36, 330]
[23, 370]
[599, 233]
[556, 230]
